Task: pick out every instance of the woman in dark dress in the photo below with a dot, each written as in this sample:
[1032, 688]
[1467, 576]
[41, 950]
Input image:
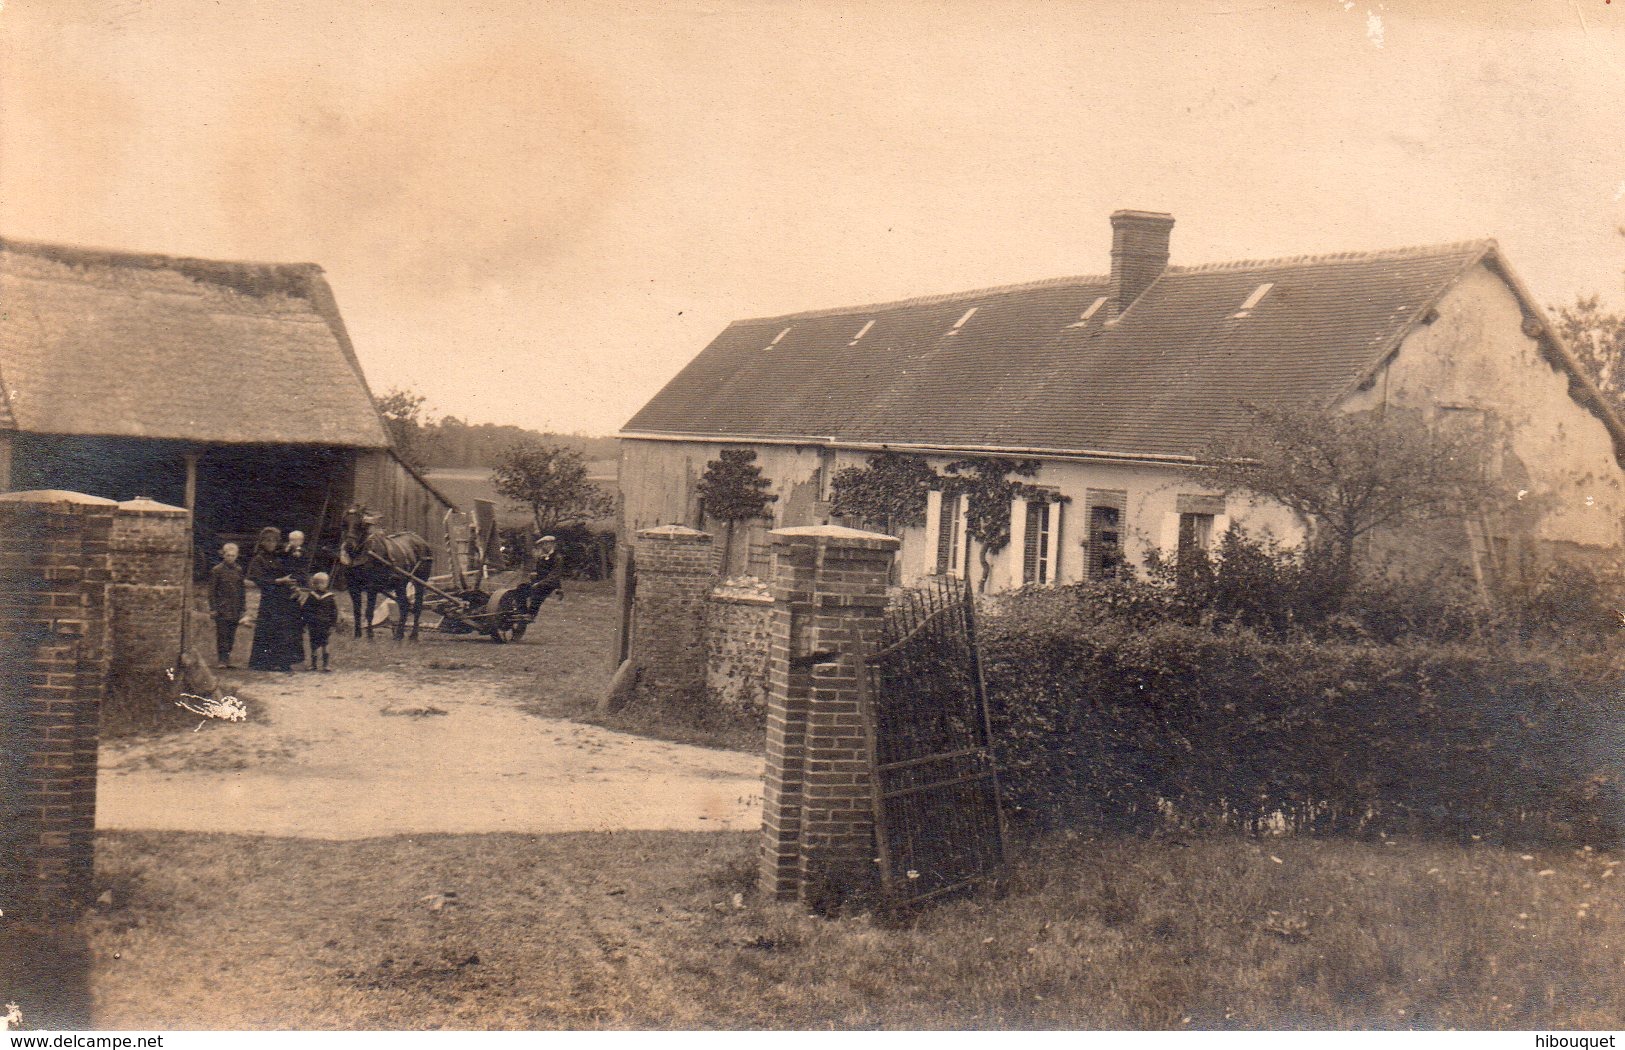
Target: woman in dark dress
[279, 643]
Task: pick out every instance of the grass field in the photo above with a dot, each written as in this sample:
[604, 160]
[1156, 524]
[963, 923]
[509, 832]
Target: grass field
[646, 930]
[463, 485]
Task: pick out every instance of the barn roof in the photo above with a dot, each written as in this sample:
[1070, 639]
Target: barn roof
[151, 346]
[1033, 368]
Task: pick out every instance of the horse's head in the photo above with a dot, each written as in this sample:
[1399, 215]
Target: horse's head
[358, 525]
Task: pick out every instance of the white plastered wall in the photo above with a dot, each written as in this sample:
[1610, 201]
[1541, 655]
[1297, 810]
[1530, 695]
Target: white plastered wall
[1476, 356]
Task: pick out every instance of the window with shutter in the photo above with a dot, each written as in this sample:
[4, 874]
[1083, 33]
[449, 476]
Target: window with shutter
[1036, 552]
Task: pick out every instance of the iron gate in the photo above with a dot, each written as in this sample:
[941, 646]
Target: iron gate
[936, 795]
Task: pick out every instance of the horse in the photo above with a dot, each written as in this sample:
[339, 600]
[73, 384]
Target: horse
[374, 564]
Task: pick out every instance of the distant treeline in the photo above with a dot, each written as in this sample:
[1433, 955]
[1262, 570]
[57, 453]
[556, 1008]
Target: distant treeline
[452, 443]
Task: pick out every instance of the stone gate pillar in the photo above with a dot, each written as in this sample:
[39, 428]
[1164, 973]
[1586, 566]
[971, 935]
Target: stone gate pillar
[829, 590]
[55, 577]
[152, 563]
[675, 569]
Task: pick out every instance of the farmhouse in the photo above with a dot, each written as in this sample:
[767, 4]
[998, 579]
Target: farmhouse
[230, 388]
[1116, 383]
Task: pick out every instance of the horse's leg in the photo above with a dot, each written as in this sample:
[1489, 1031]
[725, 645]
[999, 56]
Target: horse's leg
[402, 610]
[417, 606]
[355, 608]
[372, 607]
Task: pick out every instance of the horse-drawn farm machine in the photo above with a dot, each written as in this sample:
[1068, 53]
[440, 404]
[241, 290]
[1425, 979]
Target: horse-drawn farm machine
[481, 594]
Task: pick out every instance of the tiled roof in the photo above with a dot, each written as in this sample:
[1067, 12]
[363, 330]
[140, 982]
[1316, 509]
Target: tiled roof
[1024, 372]
[121, 344]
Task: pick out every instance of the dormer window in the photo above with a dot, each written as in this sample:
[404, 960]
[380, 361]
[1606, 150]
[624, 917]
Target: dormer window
[861, 333]
[776, 339]
[966, 316]
[1093, 309]
[1254, 299]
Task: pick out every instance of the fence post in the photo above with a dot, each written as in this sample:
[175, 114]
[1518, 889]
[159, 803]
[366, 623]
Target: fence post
[152, 564]
[675, 574]
[829, 589]
[55, 577]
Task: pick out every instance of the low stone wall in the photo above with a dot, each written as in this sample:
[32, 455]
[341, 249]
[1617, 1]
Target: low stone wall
[738, 632]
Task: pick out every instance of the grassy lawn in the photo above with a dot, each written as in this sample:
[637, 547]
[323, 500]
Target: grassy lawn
[644, 930]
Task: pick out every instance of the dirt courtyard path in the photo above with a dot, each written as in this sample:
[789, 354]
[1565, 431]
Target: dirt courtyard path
[356, 754]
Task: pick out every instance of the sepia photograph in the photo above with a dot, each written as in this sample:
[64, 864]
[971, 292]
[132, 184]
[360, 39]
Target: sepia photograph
[616, 516]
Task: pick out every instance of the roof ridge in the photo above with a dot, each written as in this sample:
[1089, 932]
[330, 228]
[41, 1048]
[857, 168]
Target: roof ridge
[928, 300]
[1415, 251]
[248, 277]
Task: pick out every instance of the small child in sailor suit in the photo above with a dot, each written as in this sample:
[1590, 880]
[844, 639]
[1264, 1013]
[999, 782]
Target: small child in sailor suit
[319, 609]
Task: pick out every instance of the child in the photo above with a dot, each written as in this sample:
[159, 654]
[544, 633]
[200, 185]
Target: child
[320, 611]
[226, 598]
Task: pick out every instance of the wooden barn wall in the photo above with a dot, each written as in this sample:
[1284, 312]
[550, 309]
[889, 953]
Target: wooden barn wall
[404, 503]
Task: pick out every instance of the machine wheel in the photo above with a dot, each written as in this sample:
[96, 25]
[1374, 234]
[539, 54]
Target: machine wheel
[506, 625]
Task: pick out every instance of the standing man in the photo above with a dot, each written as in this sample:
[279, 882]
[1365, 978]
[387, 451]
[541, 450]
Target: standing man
[226, 602]
[546, 578]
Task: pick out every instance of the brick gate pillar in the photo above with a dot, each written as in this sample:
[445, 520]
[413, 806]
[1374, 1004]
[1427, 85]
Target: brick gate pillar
[675, 574]
[829, 590]
[152, 555]
[55, 577]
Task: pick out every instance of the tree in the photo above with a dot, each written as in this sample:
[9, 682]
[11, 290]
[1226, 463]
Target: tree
[1346, 475]
[1597, 337]
[732, 490]
[887, 493]
[992, 489]
[551, 482]
[409, 431]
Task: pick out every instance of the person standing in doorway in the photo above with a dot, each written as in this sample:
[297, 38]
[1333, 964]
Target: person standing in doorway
[279, 630]
[227, 602]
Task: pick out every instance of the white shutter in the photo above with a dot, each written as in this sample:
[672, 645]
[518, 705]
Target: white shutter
[1016, 551]
[1168, 536]
[933, 530]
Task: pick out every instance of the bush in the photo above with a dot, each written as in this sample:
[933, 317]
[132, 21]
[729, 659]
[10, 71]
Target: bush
[1106, 715]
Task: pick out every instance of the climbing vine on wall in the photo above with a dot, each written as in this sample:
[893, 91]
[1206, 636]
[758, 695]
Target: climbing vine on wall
[992, 484]
[733, 490]
[888, 493]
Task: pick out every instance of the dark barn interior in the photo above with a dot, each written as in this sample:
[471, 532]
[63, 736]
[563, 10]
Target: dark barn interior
[239, 488]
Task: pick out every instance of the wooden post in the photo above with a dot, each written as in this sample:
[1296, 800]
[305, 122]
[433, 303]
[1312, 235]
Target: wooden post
[191, 480]
[191, 457]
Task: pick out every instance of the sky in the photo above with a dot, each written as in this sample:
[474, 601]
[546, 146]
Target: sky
[538, 212]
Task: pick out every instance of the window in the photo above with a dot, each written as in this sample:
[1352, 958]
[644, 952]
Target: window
[1104, 540]
[1198, 515]
[1093, 309]
[1195, 534]
[1035, 555]
[1254, 299]
[950, 535]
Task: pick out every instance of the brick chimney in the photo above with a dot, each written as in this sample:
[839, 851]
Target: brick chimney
[1139, 255]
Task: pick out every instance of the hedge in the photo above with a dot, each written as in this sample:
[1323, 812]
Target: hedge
[1107, 721]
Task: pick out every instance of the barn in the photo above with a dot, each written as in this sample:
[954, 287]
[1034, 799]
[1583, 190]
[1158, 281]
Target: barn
[230, 388]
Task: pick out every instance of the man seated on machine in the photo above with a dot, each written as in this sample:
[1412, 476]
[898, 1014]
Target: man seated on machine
[546, 578]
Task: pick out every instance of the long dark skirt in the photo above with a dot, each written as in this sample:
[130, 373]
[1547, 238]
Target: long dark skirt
[279, 638]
